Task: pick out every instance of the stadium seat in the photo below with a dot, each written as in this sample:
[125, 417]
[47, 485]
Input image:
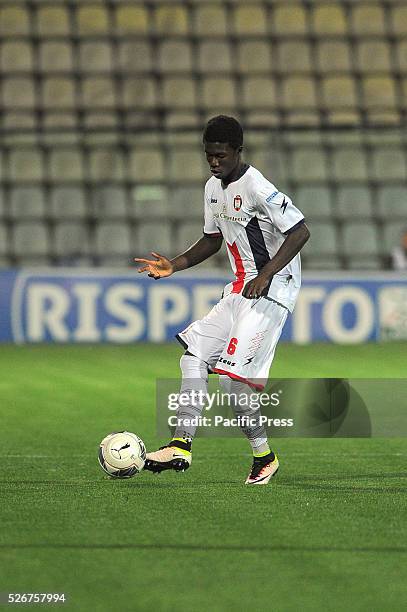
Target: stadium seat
[392, 202]
[210, 20]
[106, 164]
[187, 233]
[171, 19]
[368, 19]
[18, 92]
[114, 238]
[71, 241]
[360, 238]
[259, 92]
[66, 165]
[147, 164]
[218, 93]
[324, 240]
[250, 20]
[214, 56]
[140, 93]
[150, 201]
[333, 56]
[30, 238]
[399, 20]
[14, 21]
[389, 163]
[27, 203]
[68, 203]
[53, 21]
[353, 202]
[350, 164]
[392, 232]
[373, 56]
[186, 166]
[95, 57]
[288, 20]
[174, 56]
[367, 262]
[131, 19]
[26, 165]
[150, 238]
[16, 57]
[339, 92]
[309, 165]
[379, 92]
[327, 262]
[55, 56]
[294, 57]
[4, 246]
[254, 56]
[134, 56]
[328, 20]
[315, 202]
[186, 202]
[92, 20]
[109, 202]
[98, 92]
[58, 92]
[171, 91]
[299, 92]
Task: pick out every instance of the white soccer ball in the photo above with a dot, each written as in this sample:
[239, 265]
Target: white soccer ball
[122, 454]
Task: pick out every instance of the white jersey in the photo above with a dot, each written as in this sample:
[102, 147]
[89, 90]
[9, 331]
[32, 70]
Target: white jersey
[253, 218]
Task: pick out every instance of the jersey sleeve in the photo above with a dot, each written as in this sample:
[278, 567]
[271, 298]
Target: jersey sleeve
[210, 226]
[276, 207]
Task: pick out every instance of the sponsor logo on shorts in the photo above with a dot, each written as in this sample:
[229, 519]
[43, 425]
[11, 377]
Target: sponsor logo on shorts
[229, 363]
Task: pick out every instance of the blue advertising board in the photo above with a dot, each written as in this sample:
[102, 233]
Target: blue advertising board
[96, 305]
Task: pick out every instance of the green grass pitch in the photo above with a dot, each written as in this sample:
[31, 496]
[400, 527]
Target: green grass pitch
[329, 533]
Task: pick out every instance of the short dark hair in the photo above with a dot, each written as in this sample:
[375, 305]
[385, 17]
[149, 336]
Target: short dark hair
[224, 129]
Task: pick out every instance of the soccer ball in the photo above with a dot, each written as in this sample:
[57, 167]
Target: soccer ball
[122, 454]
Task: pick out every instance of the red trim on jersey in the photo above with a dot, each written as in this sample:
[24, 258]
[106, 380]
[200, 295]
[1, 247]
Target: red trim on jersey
[239, 378]
[240, 273]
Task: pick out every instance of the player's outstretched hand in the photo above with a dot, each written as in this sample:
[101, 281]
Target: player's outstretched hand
[158, 268]
[256, 288]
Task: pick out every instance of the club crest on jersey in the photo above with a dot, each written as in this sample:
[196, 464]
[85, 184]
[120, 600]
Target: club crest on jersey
[237, 202]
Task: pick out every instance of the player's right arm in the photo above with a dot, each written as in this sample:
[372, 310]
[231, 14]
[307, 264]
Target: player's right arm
[161, 267]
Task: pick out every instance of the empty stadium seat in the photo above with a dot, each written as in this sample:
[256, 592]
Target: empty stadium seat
[131, 19]
[58, 92]
[333, 56]
[186, 202]
[179, 92]
[16, 57]
[30, 238]
[360, 238]
[324, 240]
[71, 241]
[109, 202]
[4, 246]
[392, 202]
[92, 20]
[392, 232]
[218, 93]
[66, 165]
[19, 92]
[250, 20]
[171, 19]
[328, 20]
[368, 19]
[14, 20]
[106, 164]
[26, 164]
[210, 20]
[350, 164]
[289, 19]
[309, 165]
[188, 232]
[353, 202]
[68, 203]
[55, 56]
[95, 57]
[147, 164]
[186, 166]
[134, 56]
[150, 201]
[113, 238]
[53, 21]
[151, 236]
[214, 56]
[259, 92]
[254, 56]
[27, 203]
[315, 202]
[389, 163]
[294, 56]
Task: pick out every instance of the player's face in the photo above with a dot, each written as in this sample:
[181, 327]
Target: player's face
[222, 158]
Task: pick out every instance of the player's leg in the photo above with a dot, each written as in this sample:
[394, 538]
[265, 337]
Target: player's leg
[204, 341]
[244, 366]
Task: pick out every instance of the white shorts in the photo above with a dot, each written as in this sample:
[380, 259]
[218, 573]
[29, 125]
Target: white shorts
[238, 337]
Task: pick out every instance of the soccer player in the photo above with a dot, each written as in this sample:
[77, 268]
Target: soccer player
[264, 233]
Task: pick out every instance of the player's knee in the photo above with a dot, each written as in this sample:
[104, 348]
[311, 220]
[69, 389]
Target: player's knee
[193, 367]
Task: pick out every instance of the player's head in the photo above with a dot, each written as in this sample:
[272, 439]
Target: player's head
[223, 142]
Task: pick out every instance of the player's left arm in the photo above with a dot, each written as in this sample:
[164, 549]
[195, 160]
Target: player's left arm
[295, 240]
